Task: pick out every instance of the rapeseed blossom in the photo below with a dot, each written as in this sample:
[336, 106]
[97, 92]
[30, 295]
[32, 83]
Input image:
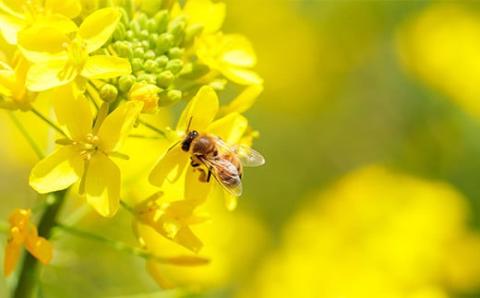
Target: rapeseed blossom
[23, 233]
[100, 74]
[85, 153]
[375, 233]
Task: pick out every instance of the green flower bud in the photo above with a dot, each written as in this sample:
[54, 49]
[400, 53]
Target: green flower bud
[138, 52]
[170, 97]
[119, 33]
[126, 82]
[124, 19]
[130, 35]
[174, 65]
[152, 25]
[161, 19]
[177, 29]
[150, 65]
[175, 52]
[162, 61]
[164, 42]
[145, 44]
[191, 32]
[108, 93]
[149, 55]
[123, 49]
[146, 77]
[165, 78]
[144, 34]
[137, 64]
[142, 20]
[152, 40]
[135, 26]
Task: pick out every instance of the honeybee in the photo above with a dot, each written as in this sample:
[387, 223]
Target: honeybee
[225, 163]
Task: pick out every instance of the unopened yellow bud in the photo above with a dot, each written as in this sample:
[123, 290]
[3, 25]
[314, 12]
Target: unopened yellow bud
[146, 93]
[108, 93]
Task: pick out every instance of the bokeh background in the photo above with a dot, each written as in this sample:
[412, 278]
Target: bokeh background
[370, 124]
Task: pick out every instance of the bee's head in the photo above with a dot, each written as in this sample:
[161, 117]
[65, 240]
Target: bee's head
[188, 140]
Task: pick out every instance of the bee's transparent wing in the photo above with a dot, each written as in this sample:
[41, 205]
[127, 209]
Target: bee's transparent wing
[226, 175]
[248, 157]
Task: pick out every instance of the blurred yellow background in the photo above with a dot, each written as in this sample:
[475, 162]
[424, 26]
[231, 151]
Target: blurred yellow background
[370, 125]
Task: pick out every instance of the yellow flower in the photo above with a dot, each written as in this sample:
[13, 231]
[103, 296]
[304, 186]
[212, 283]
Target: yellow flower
[24, 233]
[375, 233]
[230, 54]
[441, 47]
[210, 15]
[200, 114]
[17, 15]
[86, 153]
[232, 241]
[59, 59]
[172, 220]
[12, 84]
[146, 93]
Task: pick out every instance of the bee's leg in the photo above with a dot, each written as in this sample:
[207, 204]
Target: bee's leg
[209, 174]
[203, 175]
[194, 163]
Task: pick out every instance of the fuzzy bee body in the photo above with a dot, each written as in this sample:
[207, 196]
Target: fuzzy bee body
[224, 162]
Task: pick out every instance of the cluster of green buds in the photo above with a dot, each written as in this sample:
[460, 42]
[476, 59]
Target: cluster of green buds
[164, 69]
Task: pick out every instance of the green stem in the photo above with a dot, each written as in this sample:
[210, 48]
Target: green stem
[49, 122]
[117, 245]
[26, 135]
[27, 281]
[155, 129]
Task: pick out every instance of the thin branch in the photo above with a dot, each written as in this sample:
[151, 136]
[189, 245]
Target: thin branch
[26, 135]
[151, 127]
[121, 246]
[49, 122]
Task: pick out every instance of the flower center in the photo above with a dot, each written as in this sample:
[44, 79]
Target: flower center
[86, 147]
[77, 56]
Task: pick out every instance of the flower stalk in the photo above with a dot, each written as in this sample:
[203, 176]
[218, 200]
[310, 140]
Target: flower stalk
[28, 277]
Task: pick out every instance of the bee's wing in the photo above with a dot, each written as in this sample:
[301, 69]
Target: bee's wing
[248, 157]
[226, 175]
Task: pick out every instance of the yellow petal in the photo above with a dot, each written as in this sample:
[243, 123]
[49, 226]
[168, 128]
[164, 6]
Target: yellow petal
[186, 238]
[72, 110]
[10, 26]
[241, 76]
[230, 201]
[69, 8]
[207, 13]
[195, 190]
[105, 67]
[170, 166]
[200, 111]
[102, 185]
[230, 128]
[57, 171]
[116, 127]
[97, 28]
[12, 254]
[46, 75]
[39, 247]
[7, 80]
[43, 43]
[238, 51]
[244, 101]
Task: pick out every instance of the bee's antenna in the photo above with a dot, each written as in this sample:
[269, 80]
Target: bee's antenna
[189, 123]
